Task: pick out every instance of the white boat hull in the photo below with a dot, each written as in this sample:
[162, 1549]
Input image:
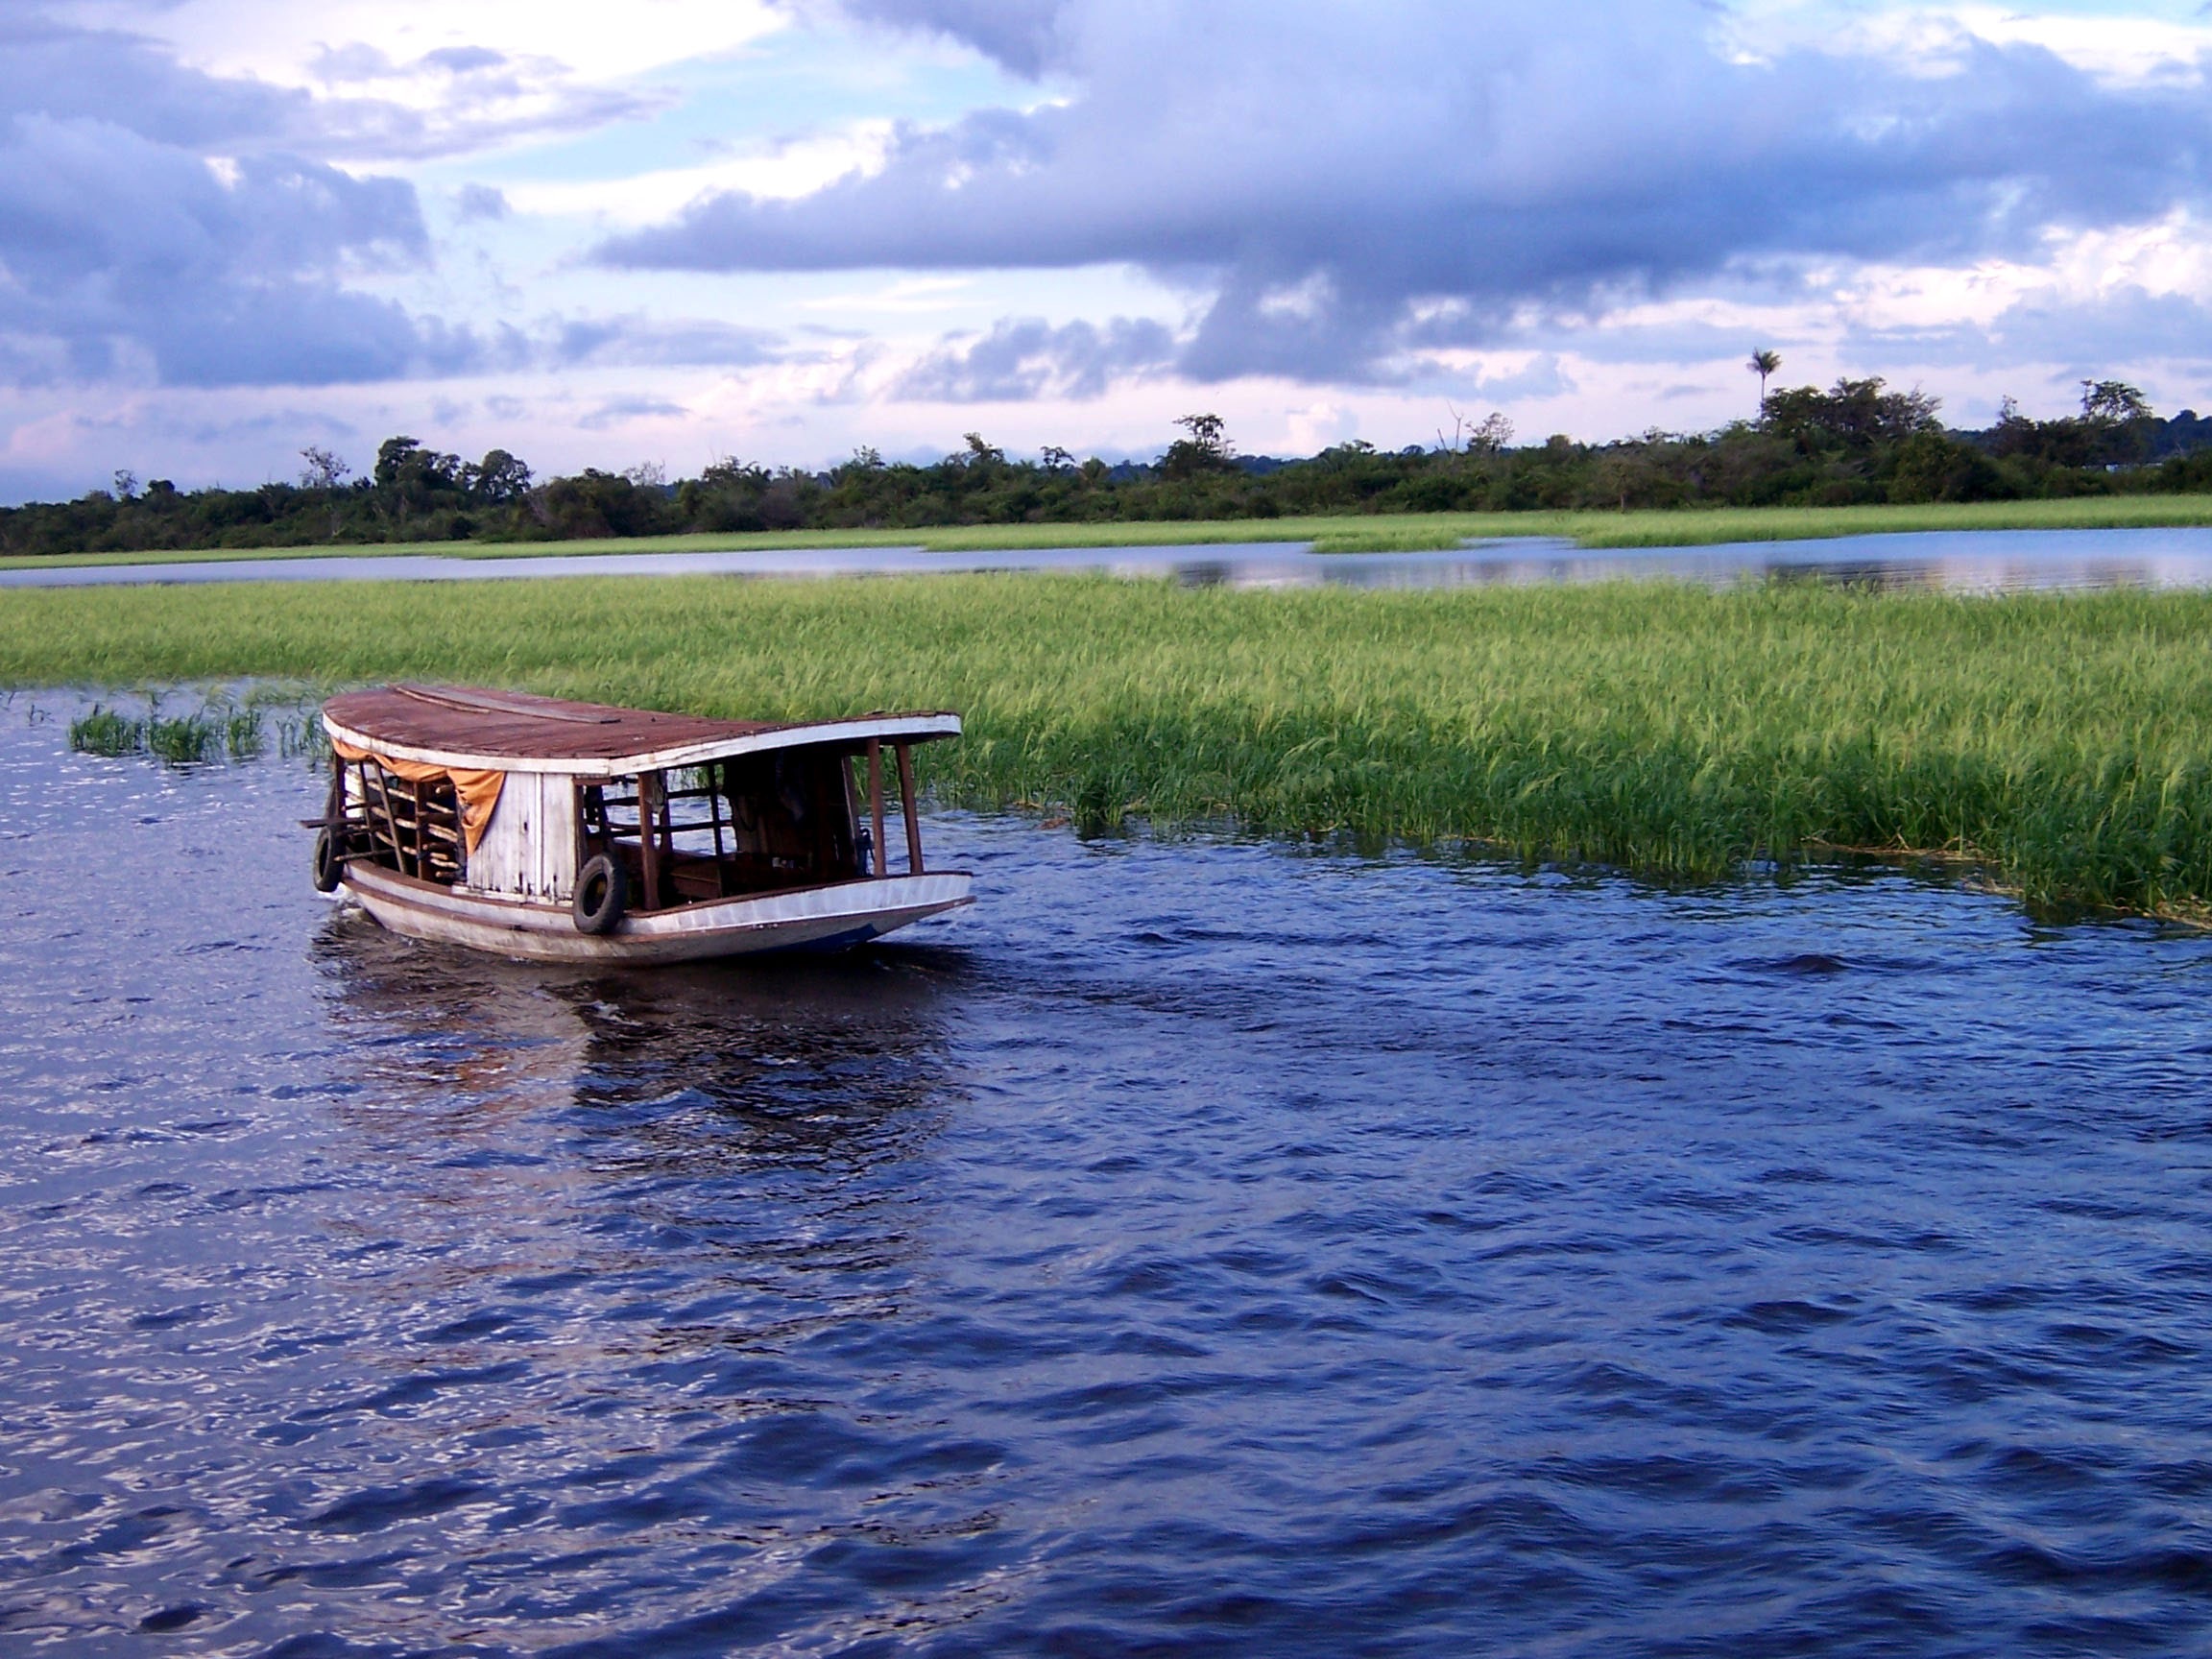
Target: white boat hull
[844, 914]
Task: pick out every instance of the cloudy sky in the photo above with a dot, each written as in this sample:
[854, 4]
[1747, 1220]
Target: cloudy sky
[667, 231]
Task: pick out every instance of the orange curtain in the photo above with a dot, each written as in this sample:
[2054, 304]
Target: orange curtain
[479, 792]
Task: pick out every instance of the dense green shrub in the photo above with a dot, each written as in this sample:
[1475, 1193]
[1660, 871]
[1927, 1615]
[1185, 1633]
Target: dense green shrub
[1855, 444]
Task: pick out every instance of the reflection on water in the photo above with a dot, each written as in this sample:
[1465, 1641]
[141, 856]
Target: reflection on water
[708, 1030]
[680, 1078]
[1972, 561]
[1206, 1248]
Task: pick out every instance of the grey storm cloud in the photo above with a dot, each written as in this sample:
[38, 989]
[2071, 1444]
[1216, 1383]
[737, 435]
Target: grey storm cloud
[1026, 358]
[156, 220]
[1345, 186]
[125, 249]
[117, 247]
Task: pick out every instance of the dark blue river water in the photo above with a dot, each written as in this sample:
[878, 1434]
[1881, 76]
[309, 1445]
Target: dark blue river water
[1198, 1247]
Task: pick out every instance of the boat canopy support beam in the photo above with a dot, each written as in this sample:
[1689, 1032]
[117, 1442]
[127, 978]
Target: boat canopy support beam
[882, 856]
[907, 804]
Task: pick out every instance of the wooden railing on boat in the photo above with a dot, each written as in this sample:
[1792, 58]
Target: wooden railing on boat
[413, 828]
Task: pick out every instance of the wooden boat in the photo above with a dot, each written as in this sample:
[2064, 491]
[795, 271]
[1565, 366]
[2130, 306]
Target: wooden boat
[574, 831]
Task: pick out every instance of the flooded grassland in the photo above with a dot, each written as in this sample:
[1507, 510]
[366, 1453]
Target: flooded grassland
[2055, 740]
[1332, 533]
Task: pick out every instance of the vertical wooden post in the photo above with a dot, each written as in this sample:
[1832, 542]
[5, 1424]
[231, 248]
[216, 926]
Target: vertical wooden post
[848, 784]
[334, 802]
[822, 843]
[367, 805]
[875, 803]
[649, 835]
[717, 773]
[905, 754]
[579, 851]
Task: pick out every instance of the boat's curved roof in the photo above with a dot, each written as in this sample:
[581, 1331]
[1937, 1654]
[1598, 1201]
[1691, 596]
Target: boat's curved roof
[469, 728]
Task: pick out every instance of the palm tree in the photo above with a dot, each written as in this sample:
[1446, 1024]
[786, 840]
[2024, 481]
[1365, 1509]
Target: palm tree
[1763, 364]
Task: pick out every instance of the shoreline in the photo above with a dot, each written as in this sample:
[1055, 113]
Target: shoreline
[1343, 534]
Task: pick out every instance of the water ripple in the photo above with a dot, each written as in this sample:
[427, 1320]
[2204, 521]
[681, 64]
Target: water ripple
[1198, 1247]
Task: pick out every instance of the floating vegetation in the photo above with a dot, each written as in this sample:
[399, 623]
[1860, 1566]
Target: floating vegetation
[185, 741]
[217, 729]
[242, 734]
[106, 732]
[301, 737]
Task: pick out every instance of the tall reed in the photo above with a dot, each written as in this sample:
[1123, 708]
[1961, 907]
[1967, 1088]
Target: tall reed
[2060, 739]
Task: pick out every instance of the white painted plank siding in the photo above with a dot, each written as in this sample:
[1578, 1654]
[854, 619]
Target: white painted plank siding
[529, 848]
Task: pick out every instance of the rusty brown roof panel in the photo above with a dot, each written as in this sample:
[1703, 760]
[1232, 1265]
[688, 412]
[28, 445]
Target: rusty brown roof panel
[465, 720]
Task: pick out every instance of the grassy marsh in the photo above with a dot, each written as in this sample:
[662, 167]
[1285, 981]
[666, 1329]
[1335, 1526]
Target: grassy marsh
[2060, 740]
[1343, 533]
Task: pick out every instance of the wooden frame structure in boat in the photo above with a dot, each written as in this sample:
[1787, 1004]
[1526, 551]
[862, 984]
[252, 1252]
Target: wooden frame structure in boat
[578, 832]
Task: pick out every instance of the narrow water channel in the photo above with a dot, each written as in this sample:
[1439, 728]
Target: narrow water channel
[1962, 561]
[1199, 1246]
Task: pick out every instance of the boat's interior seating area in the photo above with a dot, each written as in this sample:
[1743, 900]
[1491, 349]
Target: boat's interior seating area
[692, 877]
[760, 824]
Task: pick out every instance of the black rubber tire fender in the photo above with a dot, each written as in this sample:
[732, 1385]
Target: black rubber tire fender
[601, 896]
[329, 863]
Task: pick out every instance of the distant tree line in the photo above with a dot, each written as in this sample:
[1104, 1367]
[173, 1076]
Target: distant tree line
[1858, 440]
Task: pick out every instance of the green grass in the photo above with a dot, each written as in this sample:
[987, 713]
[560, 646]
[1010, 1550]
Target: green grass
[1354, 533]
[1699, 527]
[180, 739]
[106, 731]
[2060, 740]
[214, 730]
[183, 739]
[243, 738]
